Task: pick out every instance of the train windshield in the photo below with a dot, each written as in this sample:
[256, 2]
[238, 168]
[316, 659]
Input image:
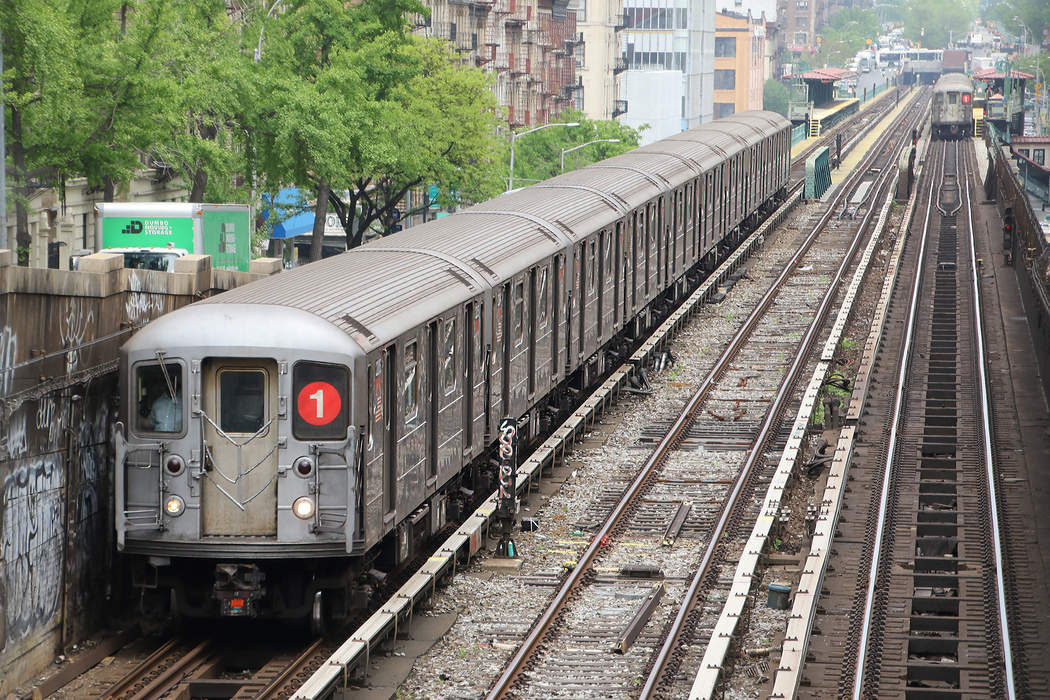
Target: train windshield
[158, 398]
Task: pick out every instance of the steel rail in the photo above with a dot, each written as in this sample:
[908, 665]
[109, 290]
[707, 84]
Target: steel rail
[895, 425]
[663, 448]
[783, 393]
[989, 462]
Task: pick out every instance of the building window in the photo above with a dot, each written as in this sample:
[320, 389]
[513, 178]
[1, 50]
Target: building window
[580, 6]
[802, 4]
[725, 46]
[1037, 155]
[801, 38]
[724, 109]
[725, 79]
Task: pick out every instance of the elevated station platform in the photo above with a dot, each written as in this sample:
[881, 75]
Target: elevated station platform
[830, 114]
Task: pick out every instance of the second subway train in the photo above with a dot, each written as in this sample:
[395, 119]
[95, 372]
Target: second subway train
[286, 439]
[951, 116]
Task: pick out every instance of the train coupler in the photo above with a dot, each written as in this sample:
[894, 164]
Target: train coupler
[239, 589]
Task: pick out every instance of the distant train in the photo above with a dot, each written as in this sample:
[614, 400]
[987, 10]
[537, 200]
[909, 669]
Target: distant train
[952, 114]
[286, 443]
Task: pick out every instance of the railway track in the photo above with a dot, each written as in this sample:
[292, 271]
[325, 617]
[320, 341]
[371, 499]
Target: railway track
[939, 606]
[179, 668]
[697, 493]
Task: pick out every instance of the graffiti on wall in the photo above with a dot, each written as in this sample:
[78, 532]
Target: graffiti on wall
[56, 453]
[77, 318]
[31, 537]
[141, 306]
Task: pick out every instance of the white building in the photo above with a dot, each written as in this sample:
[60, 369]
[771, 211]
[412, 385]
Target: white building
[656, 96]
[674, 35]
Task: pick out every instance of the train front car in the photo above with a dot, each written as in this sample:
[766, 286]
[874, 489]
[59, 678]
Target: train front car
[951, 116]
[236, 462]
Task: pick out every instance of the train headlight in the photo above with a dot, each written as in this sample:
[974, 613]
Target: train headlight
[303, 508]
[174, 506]
[174, 464]
[304, 466]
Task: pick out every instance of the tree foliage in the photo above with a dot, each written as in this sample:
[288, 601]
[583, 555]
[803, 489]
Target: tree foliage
[849, 31]
[931, 22]
[342, 100]
[537, 156]
[1022, 17]
[775, 97]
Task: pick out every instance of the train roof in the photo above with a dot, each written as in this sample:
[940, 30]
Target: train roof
[953, 81]
[378, 291]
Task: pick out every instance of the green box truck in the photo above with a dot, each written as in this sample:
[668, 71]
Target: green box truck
[150, 233]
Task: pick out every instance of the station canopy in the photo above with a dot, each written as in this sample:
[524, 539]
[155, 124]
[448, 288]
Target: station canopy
[992, 74]
[827, 75]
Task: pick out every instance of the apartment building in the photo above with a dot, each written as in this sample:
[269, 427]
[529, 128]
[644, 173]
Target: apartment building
[600, 60]
[527, 44]
[671, 35]
[740, 62]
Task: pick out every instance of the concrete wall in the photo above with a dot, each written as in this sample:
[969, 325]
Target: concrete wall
[59, 336]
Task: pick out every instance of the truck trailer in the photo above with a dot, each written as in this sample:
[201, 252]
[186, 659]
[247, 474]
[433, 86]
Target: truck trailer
[222, 231]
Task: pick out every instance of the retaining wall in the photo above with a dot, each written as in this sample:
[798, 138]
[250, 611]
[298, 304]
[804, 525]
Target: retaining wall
[59, 336]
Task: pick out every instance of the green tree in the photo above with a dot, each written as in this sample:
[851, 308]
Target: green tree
[441, 125]
[1024, 19]
[321, 95]
[538, 155]
[41, 98]
[775, 97]
[849, 31]
[205, 145]
[130, 96]
[931, 22]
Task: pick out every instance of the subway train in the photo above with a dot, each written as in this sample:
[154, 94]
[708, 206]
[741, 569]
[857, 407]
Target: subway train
[285, 445]
[952, 114]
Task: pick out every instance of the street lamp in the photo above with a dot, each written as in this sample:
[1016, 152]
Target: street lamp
[514, 137]
[582, 145]
[1024, 36]
[262, 28]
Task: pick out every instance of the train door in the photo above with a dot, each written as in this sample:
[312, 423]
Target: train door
[558, 281]
[432, 391]
[582, 271]
[619, 287]
[531, 330]
[475, 391]
[602, 272]
[504, 309]
[239, 495]
[389, 393]
[469, 339]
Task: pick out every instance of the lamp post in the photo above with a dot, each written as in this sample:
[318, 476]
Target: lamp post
[514, 137]
[262, 28]
[582, 145]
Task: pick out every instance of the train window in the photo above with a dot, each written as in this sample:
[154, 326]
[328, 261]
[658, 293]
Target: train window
[542, 312]
[519, 313]
[242, 400]
[592, 269]
[158, 398]
[322, 400]
[953, 97]
[410, 398]
[449, 369]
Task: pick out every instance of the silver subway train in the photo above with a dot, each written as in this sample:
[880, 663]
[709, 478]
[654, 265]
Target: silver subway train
[951, 116]
[287, 443]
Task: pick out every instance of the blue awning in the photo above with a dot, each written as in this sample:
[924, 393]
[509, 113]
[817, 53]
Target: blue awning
[288, 200]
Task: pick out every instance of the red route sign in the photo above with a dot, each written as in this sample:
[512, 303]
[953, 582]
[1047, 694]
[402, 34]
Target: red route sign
[319, 403]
